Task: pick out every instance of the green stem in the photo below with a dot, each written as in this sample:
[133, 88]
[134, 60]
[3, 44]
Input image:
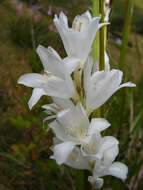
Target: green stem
[79, 181]
[95, 47]
[102, 37]
[126, 31]
[96, 44]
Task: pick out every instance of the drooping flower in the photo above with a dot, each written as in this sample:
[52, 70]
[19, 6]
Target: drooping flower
[56, 80]
[99, 86]
[78, 39]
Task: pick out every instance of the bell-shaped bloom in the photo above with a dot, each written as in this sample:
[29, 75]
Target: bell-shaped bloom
[78, 39]
[56, 80]
[99, 86]
[101, 152]
[73, 128]
[75, 159]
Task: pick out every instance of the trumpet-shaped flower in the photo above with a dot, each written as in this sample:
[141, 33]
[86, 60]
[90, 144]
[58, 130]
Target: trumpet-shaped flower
[73, 128]
[75, 159]
[104, 162]
[99, 86]
[56, 80]
[78, 39]
[102, 152]
[98, 156]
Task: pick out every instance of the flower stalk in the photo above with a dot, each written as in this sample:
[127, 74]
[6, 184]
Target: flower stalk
[123, 51]
[78, 89]
[102, 37]
[126, 31]
[79, 180]
[95, 46]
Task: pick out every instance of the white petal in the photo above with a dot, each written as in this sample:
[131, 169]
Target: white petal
[96, 182]
[32, 80]
[51, 61]
[59, 88]
[88, 15]
[110, 155]
[63, 103]
[62, 151]
[98, 124]
[61, 25]
[91, 149]
[92, 29]
[74, 117]
[67, 118]
[55, 64]
[42, 52]
[70, 64]
[118, 170]
[51, 107]
[36, 95]
[103, 85]
[107, 143]
[59, 131]
[63, 19]
[127, 84]
[77, 43]
[81, 116]
[77, 161]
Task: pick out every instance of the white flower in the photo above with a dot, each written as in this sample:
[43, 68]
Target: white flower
[74, 159]
[73, 128]
[56, 81]
[116, 169]
[99, 86]
[102, 152]
[78, 39]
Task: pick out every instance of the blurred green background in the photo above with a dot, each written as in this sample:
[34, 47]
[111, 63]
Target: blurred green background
[24, 143]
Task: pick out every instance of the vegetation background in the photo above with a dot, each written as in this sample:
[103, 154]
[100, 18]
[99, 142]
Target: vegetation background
[24, 143]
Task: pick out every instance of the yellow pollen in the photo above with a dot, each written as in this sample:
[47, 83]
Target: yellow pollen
[47, 74]
[79, 29]
[71, 157]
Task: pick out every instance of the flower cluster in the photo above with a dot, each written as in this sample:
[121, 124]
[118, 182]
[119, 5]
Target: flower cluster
[78, 88]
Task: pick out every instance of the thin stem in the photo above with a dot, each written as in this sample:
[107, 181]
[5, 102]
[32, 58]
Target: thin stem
[79, 181]
[95, 47]
[96, 44]
[102, 37]
[126, 31]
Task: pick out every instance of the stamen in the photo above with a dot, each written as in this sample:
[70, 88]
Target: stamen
[80, 24]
